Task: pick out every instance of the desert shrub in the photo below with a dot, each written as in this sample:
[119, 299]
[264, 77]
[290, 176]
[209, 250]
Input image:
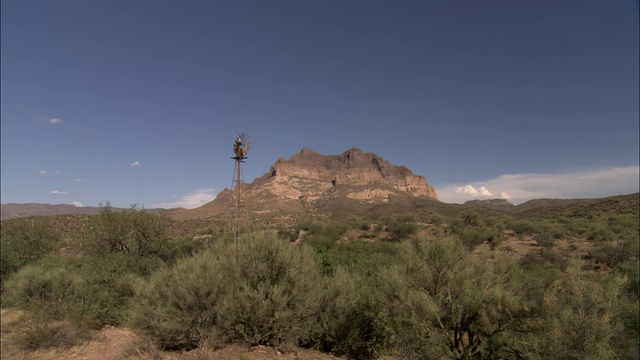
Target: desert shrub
[322, 236]
[444, 303]
[360, 223]
[472, 237]
[523, 227]
[287, 233]
[547, 258]
[170, 250]
[142, 348]
[577, 318]
[631, 269]
[402, 229]
[89, 291]
[600, 233]
[614, 253]
[471, 217]
[365, 259]
[320, 241]
[472, 230]
[407, 218]
[436, 219]
[133, 232]
[325, 237]
[210, 230]
[262, 291]
[24, 241]
[311, 227]
[342, 319]
[545, 240]
[43, 333]
[624, 225]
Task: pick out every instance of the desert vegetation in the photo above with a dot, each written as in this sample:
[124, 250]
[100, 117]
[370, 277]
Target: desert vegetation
[463, 283]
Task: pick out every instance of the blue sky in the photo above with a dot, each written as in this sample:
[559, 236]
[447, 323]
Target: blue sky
[133, 101]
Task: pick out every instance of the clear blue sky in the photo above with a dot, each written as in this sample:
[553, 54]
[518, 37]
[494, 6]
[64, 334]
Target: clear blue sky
[132, 101]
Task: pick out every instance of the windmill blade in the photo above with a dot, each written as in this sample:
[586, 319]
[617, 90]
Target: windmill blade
[242, 145]
[246, 145]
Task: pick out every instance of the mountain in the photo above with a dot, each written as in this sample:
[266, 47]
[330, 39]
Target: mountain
[538, 203]
[9, 211]
[311, 181]
[493, 204]
[504, 205]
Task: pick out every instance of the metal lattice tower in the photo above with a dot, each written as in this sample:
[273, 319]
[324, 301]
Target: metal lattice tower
[240, 214]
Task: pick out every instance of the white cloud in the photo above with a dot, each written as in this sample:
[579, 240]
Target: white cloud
[191, 200]
[518, 188]
[57, 192]
[80, 180]
[78, 204]
[43, 172]
[470, 190]
[135, 163]
[504, 195]
[51, 120]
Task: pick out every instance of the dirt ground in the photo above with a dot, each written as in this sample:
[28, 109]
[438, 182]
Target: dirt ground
[113, 343]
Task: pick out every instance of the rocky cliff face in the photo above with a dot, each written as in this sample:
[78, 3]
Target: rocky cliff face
[309, 174]
[309, 178]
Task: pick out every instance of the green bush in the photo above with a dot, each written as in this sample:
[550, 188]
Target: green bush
[523, 227]
[545, 240]
[365, 259]
[472, 237]
[471, 218]
[341, 320]
[613, 254]
[133, 232]
[547, 258]
[576, 322]
[403, 227]
[172, 249]
[445, 303]
[631, 269]
[24, 241]
[287, 233]
[402, 230]
[601, 233]
[88, 292]
[43, 333]
[262, 291]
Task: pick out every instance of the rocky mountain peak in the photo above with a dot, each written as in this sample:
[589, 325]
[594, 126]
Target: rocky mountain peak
[308, 178]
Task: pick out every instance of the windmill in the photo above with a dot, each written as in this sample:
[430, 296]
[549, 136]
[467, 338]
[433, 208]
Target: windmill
[240, 149]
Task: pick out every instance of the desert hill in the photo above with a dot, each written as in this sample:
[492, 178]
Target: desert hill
[505, 205]
[10, 211]
[493, 204]
[312, 181]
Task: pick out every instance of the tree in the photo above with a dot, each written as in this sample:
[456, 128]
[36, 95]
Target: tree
[131, 232]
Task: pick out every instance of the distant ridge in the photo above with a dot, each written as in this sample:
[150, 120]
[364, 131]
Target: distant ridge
[537, 203]
[13, 210]
[505, 205]
[493, 204]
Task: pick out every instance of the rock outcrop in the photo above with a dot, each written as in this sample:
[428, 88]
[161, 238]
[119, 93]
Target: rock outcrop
[309, 179]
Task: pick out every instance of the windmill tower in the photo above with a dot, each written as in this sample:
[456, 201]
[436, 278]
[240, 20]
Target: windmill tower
[240, 149]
